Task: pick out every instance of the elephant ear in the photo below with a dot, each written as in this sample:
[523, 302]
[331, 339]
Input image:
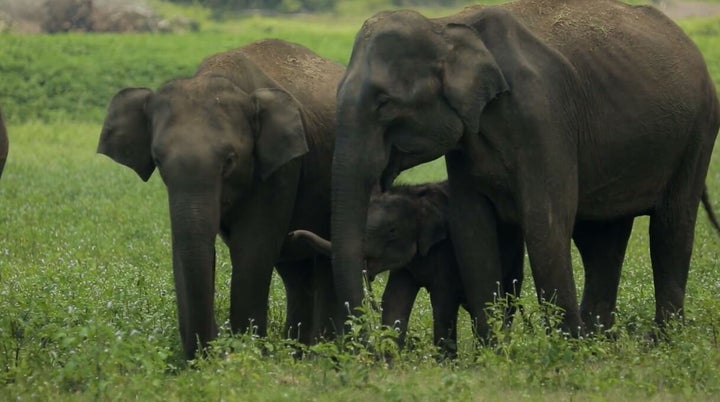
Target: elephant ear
[126, 135]
[471, 76]
[432, 222]
[279, 130]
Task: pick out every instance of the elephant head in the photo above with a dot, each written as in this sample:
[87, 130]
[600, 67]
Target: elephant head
[212, 142]
[413, 90]
[402, 224]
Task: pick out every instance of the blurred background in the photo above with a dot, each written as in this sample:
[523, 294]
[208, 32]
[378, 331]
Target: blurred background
[51, 16]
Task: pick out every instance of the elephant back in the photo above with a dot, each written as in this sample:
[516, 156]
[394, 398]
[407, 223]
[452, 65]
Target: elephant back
[307, 76]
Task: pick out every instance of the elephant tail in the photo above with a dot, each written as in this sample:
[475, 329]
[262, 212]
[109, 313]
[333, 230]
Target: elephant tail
[708, 208]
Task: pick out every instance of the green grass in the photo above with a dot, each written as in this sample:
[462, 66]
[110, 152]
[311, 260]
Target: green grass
[86, 296]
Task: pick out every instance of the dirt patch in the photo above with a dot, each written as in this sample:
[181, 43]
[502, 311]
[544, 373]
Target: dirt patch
[687, 9]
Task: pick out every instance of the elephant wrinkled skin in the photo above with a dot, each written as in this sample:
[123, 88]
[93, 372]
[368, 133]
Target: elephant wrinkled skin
[561, 118]
[244, 147]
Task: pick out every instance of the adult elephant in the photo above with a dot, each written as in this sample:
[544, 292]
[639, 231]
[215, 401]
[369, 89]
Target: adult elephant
[4, 143]
[560, 118]
[244, 147]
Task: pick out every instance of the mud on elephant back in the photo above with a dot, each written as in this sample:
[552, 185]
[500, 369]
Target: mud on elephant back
[554, 118]
[244, 148]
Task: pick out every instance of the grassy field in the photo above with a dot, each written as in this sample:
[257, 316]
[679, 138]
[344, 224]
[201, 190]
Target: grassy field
[87, 309]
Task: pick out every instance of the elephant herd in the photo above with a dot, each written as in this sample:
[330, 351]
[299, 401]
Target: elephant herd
[559, 121]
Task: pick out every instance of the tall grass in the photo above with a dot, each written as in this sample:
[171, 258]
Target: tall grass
[87, 309]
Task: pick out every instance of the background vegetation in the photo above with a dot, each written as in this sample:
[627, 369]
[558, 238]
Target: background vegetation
[307, 5]
[87, 308]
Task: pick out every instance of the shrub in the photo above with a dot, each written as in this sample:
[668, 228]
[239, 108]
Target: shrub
[68, 15]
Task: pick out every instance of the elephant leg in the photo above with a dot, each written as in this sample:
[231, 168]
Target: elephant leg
[672, 231]
[672, 225]
[602, 248]
[249, 288]
[298, 280]
[397, 301]
[445, 311]
[473, 229]
[258, 230]
[326, 316]
[546, 194]
[549, 252]
[512, 257]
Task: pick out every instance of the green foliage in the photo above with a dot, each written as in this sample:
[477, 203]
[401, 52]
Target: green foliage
[73, 76]
[706, 34]
[86, 291]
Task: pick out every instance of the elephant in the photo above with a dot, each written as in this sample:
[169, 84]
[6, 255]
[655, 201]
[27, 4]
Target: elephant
[244, 147]
[557, 119]
[407, 234]
[4, 143]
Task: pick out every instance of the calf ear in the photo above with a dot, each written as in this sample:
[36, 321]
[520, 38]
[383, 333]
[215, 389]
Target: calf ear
[126, 133]
[279, 130]
[433, 228]
[470, 74]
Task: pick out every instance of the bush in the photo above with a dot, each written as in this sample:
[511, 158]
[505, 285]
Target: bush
[68, 15]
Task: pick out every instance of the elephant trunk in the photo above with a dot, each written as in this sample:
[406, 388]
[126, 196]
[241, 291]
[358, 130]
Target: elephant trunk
[195, 221]
[319, 244]
[358, 162]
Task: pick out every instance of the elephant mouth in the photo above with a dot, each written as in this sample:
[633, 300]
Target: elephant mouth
[372, 268]
[392, 170]
[388, 177]
[401, 159]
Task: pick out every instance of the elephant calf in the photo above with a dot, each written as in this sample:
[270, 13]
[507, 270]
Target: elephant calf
[406, 233]
[244, 147]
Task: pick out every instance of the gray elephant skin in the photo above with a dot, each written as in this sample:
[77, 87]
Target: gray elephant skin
[244, 147]
[4, 143]
[407, 234]
[558, 118]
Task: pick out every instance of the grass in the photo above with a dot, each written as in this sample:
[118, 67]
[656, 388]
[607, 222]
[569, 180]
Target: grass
[86, 294]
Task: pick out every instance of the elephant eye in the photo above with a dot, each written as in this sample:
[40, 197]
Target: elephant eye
[229, 163]
[382, 101]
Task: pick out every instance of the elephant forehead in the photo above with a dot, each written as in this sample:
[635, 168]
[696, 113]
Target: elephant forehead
[208, 92]
[186, 128]
[398, 49]
[220, 111]
[402, 21]
[192, 102]
[389, 209]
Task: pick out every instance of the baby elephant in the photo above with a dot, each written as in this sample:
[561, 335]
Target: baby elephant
[406, 233]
